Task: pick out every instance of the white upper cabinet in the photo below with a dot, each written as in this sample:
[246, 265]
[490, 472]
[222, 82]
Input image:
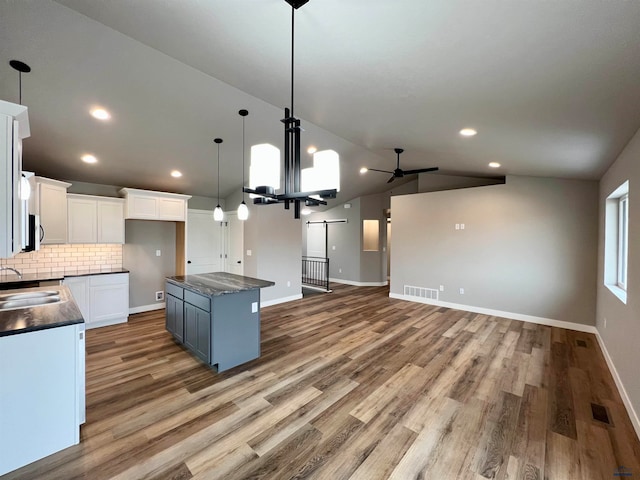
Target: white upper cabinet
[148, 205]
[14, 126]
[49, 200]
[95, 219]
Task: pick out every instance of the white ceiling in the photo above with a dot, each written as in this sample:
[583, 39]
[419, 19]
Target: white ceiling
[552, 86]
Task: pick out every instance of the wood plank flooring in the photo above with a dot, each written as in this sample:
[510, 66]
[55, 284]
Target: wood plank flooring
[351, 385]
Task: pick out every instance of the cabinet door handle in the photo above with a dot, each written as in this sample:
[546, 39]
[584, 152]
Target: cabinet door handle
[188, 261]
[41, 232]
[239, 261]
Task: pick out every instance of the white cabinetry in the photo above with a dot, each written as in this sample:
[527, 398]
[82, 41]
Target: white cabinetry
[95, 219]
[39, 394]
[14, 126]
[49, 200]
[102, 299]
[148, 205]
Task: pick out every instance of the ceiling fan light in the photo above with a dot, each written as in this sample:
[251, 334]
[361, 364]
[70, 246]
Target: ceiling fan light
[218, 214]
[243, 211]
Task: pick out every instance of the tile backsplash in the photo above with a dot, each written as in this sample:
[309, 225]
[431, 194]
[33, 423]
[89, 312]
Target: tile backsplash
[68, 258]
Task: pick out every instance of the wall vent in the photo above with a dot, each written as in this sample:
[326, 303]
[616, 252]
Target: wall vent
[421, 292]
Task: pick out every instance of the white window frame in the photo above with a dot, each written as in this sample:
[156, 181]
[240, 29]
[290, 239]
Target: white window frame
[623, 240]
[616, 241]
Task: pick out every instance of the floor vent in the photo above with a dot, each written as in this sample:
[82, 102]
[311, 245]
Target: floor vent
[599, 413]
[581, 343]
[421, 292]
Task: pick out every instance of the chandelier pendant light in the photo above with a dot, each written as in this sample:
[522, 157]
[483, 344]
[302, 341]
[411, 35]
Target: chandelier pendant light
[218, 214]
[243, 210]
[293, 194]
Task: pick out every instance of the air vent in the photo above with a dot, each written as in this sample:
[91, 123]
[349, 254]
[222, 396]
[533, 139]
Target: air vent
[581, 343]
[421, 292]
[599, 413]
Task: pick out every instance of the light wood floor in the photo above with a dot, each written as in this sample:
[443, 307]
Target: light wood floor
[351, 385]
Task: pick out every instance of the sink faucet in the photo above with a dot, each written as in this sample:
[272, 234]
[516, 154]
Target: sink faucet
[13, 270]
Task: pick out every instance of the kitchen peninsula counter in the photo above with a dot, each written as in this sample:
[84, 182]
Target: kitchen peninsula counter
[216, 316]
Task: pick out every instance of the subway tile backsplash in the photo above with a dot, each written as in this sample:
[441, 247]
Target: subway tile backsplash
[67, 258]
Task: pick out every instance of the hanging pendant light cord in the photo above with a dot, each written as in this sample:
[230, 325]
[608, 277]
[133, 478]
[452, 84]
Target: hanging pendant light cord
[218, 174]
[293, 13]
[243, 158]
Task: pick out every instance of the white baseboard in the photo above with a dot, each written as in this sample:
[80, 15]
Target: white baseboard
[146, 308]
[623, 392]
[276, 301]
[106, 323]
[499, 313]
[359, 284]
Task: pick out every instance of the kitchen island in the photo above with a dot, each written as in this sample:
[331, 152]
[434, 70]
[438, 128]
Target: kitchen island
[216, 316]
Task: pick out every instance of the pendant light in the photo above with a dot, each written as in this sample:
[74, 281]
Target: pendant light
[24, 189]
[243, 210]
[218, 214]
[264, 190]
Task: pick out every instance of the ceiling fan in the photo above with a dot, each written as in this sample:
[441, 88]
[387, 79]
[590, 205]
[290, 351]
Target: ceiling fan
[398, 172]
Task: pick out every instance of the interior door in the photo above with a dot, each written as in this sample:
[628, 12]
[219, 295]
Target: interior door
[316, 243]
[234, 245]
[204, 242]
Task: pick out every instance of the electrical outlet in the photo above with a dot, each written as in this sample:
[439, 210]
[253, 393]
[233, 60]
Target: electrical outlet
[605, 322]
[442, 288]
[288, 284]
[339, 270]
[159, 296]
[158, 253]
[462, 291]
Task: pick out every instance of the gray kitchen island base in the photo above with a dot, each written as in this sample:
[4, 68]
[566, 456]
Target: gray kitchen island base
[216, 316]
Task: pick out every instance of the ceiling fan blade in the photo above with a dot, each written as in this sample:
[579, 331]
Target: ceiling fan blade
[376, 170]
[393, 177]
[420, 170]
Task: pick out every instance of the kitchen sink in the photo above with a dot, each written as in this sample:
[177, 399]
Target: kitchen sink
[11, 301]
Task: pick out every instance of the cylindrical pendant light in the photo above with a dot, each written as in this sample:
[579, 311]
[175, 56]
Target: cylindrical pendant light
[265, 166]
[218, 214]
[243, 210]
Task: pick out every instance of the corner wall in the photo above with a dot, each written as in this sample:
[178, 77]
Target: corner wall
[528, 247]
[621, 335]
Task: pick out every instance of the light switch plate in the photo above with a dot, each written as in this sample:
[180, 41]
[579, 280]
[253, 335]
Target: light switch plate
[254, 307]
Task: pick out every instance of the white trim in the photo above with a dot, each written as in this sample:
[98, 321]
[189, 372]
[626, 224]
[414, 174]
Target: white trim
[276, 301]
[359, 284]
[105, 323]
[623, 392]
[500, 313]
[146, 308]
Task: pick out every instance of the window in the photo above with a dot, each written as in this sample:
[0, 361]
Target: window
[616, 241]
[623, 237]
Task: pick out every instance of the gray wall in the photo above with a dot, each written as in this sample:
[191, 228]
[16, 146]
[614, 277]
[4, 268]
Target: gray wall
[273, 236]
[435, 182]
[528, 247]
[622, 333]
[147, 271]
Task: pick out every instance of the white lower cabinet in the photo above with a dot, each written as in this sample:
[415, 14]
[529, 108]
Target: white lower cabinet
[39, 394]
[102, 299]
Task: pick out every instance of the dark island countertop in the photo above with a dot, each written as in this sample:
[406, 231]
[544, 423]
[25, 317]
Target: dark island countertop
[218, 283]
[9, 278]
[30, 319]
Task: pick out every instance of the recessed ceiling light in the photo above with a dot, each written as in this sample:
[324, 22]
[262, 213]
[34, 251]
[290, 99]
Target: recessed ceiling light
[364, 170]
[468, 132]
[311, 150]
[176, 173]
[305, 211]
[494, 165]
[100, 114]
[89, 159]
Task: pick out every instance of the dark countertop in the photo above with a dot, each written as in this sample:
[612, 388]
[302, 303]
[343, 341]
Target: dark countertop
[31, 319]
[8, 277]
[218, 283]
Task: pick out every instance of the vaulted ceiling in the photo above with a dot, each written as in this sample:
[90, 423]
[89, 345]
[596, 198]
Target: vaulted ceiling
[551, 86]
